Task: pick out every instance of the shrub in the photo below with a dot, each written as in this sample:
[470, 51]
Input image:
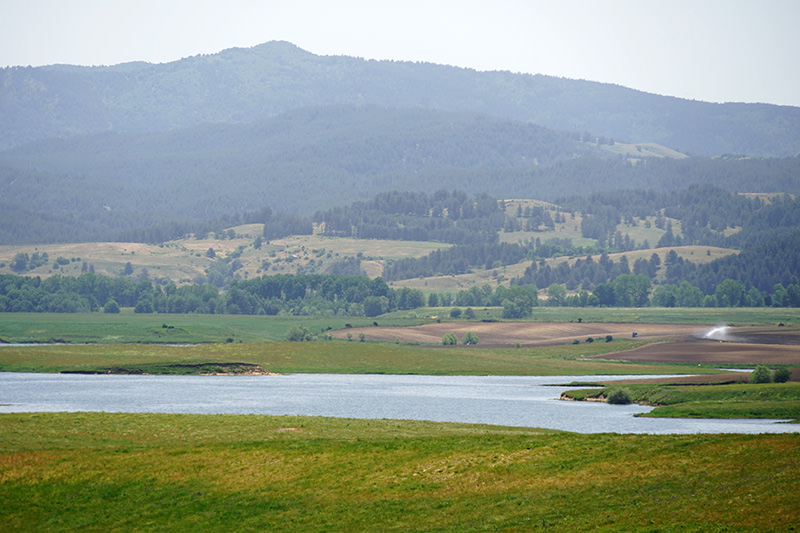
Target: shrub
[449, 339]
[299, 334]
[470, 338]
[590, 340]
[111, 306]
[782, 375]
[619, 397]
[455, 312]
[761, 375]
[609, 338]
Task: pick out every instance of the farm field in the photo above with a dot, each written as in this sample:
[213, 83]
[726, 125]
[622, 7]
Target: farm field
[218, 472]
[99, 471]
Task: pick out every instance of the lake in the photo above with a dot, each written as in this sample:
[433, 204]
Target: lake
[526, 401]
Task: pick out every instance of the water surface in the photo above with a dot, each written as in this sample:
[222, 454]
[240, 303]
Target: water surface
[526, 401]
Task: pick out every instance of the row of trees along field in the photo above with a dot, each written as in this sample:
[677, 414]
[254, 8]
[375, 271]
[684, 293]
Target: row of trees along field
[329, 295]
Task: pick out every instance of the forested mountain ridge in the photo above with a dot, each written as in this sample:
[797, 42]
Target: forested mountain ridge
[100, 186]
[242, 85]
[111, 186]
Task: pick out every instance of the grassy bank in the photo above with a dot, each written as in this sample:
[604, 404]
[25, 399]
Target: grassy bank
[187, 472]
[735, 400]
[340, 357]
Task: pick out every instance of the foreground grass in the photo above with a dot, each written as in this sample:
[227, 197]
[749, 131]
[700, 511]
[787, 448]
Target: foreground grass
[339, 357]
[179, 472]
[737, 400]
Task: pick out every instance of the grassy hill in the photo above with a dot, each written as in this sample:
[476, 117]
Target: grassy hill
[189, 259]
[184, 260]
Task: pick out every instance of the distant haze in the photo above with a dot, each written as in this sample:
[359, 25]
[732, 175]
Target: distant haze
[715, 50]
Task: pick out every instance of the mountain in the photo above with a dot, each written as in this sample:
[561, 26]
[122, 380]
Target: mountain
[101, 186]
[253, 84]
[96, 186]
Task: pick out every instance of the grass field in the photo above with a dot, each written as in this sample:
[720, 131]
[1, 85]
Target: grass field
[129, 327]
[122, 472]
[704, 400]
[334, 357]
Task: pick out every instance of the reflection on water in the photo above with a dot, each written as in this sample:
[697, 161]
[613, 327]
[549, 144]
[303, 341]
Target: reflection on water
[527, 401]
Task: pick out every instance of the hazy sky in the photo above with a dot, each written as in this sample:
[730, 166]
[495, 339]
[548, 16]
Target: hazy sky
[713, 50]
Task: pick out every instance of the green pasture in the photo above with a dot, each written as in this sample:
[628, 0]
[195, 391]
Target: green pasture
[135, 472]
[730, 400]
[333, 357]
[129, 327]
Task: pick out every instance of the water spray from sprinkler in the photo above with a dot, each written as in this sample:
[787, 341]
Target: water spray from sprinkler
[718, 333]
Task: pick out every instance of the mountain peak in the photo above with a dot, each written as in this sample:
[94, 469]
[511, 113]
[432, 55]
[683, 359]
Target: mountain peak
[271, 49]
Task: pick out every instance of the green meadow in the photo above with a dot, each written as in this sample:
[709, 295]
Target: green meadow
[134, 472]
[336, 356]
[129, 327]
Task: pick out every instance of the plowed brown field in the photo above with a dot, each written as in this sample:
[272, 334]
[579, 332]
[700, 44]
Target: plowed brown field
[682, 343]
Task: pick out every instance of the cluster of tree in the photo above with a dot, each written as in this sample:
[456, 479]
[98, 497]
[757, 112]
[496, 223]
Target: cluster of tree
[532, 218]
[705, 212]
[444, 216]
[763, 267]
[457, 260]
[308, 294]
[67, 294]
[463, 258]
[760, 272]
[450, 339]
[23, 262]
[584, 273]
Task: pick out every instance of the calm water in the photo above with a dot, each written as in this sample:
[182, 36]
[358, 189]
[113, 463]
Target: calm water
[504, 400]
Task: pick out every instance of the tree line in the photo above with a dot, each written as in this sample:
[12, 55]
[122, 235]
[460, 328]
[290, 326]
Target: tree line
[343, 295]
[304, 294]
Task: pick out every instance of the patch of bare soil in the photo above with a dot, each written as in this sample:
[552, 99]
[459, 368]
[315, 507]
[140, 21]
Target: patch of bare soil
[712, 352]
[524, 333]
[682, 343]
